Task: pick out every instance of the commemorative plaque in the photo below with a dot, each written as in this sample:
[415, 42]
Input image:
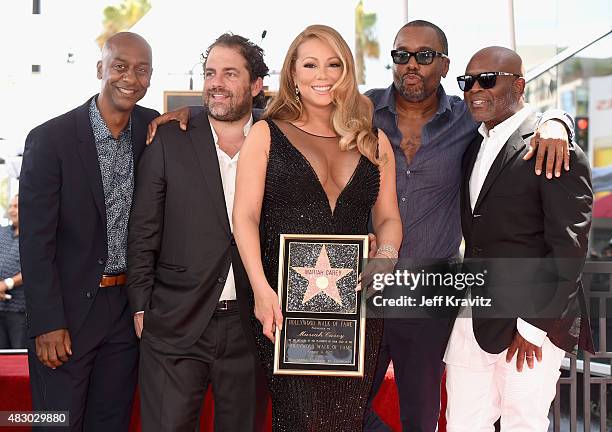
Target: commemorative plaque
[323, 315]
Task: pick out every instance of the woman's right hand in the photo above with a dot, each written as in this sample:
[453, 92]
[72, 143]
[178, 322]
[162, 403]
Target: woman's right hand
[268, 311]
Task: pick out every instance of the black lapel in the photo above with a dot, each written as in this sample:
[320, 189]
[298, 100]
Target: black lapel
[257, 114]
[514, 145]
[89, 157]
[469, 160]
[204, 146]
[139, 127]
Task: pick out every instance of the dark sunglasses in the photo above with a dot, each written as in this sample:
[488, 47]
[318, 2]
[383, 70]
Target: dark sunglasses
[422, 57]
[486, 80]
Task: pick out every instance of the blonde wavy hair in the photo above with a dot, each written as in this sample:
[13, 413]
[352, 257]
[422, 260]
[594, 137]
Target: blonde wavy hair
[352, 113]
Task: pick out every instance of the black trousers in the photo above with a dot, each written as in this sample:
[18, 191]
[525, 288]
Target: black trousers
[97, 383]
[173, 380]
[416, 347]
[12, 330]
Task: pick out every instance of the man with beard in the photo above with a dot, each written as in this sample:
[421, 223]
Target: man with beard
[76, 189]
[429, 132]
[186, 283]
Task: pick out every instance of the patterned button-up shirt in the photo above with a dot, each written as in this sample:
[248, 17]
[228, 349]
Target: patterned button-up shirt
[117, 169]
[9, 267]
[428, 186]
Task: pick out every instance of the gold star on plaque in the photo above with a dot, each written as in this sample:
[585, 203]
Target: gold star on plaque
[322, 278]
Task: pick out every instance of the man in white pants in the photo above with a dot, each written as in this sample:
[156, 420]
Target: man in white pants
[508, 213]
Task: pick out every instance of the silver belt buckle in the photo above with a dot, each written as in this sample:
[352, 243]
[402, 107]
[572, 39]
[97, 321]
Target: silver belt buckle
[222, 305]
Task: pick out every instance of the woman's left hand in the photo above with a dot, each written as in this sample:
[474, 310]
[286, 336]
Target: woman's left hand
[374, 273]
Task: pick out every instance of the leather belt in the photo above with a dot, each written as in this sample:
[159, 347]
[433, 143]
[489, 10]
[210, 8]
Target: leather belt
[113, 280]
[226, 305]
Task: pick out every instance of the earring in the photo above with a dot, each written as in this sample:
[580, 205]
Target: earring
[297, 94]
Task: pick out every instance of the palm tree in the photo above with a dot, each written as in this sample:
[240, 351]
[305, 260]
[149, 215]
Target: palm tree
[365, 40]
[122, 17]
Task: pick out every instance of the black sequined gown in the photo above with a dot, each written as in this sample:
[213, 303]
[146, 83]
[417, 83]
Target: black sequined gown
[295, 202]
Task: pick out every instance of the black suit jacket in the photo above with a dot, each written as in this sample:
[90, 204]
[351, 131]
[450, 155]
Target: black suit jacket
[521, 215]
[62, 218]
[180, 244]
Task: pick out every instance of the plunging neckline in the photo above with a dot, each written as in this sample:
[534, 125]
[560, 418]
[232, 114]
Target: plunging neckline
[332, 211]
[311, 134]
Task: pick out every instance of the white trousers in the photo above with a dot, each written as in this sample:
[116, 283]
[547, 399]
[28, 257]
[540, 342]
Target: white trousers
[478, 396]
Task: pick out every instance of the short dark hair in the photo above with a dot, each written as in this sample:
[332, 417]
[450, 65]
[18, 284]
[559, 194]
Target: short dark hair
[423, 23]
[252, 53]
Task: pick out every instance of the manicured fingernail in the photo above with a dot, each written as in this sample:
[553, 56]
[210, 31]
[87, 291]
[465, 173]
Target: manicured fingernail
[558, 174]
[548, 175]
[538, 172]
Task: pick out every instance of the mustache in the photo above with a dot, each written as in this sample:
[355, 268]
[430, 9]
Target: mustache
[412, 73]
[219, 91]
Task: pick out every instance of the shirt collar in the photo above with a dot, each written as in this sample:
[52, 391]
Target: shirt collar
[245, 129]
[388, 100]
[443, 101]
[102, 132]
[505, 129]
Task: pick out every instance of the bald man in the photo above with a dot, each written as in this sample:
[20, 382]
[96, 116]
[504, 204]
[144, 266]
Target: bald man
[508, 367]
[76, 189]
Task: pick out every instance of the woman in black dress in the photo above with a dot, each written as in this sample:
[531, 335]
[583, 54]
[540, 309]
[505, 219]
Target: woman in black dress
[313, 166]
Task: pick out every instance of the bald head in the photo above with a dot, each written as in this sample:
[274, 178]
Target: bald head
[125, 71]
[125, 39]
[497, 58]
[498, 95]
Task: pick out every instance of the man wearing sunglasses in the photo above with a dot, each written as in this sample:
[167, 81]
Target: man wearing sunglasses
[542, 219]
[429, 132]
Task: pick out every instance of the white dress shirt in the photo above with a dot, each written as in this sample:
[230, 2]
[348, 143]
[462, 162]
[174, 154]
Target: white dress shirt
[227, 167]
[492, 143]
[461, 346]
